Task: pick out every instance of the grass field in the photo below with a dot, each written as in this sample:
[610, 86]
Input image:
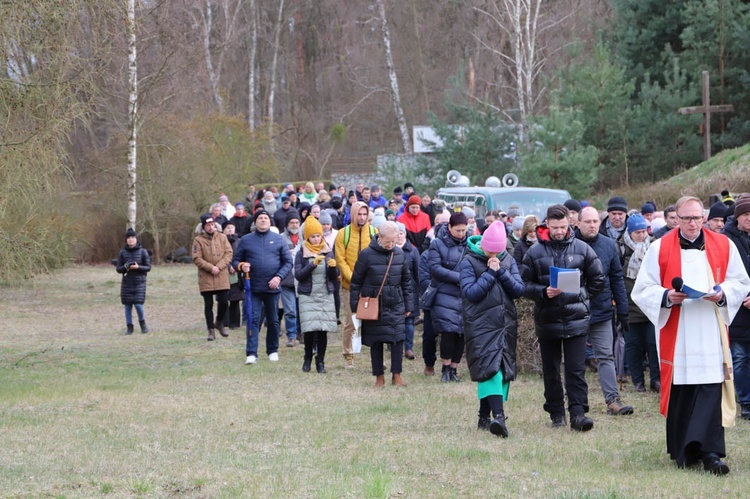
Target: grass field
[86, 411]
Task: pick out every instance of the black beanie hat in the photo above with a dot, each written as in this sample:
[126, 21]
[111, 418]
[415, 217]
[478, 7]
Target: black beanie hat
[717, 210]
[617, 203]
[259, 213]
[130, 233]
[573, 205]
[291, 216]
[205, 218]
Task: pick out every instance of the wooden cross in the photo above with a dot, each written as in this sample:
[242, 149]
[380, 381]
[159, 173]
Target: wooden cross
[706, 109]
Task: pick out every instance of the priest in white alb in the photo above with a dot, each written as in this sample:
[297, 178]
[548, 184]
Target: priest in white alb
[697, 394]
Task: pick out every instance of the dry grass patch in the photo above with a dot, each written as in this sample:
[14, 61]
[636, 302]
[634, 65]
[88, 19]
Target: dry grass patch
[87, 411]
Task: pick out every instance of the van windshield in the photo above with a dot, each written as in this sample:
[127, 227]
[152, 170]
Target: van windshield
[530, 202]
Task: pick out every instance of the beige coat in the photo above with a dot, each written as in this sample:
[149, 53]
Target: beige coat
[210, 252]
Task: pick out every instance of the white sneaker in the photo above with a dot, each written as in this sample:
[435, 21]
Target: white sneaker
[273, 357]
[251, 359]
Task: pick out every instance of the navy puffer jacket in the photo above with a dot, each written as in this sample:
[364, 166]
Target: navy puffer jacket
[443, 256]
[268, 256]
[566, 315]
[396, 298]
[614, 285]
[490, 316]
[133, 287]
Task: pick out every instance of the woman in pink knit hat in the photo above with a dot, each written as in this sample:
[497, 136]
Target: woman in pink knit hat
[490, 281]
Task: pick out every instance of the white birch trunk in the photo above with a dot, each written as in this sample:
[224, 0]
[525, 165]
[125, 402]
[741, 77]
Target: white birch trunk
[132, 114]
[213, 76]
[523, 28]
[252, 75]
[274, 62]
[395, 94]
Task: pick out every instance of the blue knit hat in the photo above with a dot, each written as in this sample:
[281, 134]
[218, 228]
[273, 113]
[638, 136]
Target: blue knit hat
[636, 222]
[647, 208]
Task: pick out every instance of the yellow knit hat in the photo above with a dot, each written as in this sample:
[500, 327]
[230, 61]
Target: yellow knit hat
[312, 226]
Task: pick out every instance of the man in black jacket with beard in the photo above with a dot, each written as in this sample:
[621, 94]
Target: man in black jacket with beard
[737, 229]
[561, 319]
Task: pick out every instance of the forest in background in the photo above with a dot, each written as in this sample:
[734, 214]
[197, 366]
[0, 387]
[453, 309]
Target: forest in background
[230, 92]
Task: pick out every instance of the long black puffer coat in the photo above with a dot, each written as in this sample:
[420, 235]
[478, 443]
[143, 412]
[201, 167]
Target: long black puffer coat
[490, 316]
[566, 315]
[133, 288]
[396, 298]
[443, 256]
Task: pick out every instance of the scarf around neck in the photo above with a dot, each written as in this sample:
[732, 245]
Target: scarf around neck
[639, 252]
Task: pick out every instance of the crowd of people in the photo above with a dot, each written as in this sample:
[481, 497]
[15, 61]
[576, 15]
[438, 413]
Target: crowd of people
[679, 298]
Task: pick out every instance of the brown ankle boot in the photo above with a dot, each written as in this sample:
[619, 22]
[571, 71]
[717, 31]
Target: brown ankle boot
[220, 327]
[380, 381]
[398, 380]
[211, 335]
[349, 361]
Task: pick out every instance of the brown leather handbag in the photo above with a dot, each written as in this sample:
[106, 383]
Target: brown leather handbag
[368, 307]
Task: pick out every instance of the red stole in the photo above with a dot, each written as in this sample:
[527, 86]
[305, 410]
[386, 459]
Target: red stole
[670, 266]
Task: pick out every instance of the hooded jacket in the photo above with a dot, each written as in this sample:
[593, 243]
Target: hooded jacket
[359, 239]
[490, 316]
[416, 228]
[566, 315]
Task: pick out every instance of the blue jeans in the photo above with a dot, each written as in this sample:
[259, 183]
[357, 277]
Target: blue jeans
[409, 329]
[269, 301]
[741, 363]
[289, 302]
[139, 311]
[639, 339]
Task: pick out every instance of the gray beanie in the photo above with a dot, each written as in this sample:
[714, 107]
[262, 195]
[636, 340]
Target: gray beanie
[468, 212]
[325, 218]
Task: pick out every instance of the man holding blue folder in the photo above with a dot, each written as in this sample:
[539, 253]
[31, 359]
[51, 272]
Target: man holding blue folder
[561, 319]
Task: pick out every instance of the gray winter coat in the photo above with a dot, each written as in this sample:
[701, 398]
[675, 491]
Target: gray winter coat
[316, 311]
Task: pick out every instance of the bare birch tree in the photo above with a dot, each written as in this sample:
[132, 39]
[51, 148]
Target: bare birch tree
[214, 69]
[132, 114]
[274, 63]
[251, 73]
[520, 20]
[395, 94]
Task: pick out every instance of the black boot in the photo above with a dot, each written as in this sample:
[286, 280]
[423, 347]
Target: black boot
[497, 425]
[446, 377]
[130, 329]
[144, 327]
[306, 364]
[483, 423]
[484, 414]
[453, 375]
[321, 367]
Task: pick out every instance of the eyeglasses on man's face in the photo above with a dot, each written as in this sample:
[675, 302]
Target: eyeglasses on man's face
[689, 220]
